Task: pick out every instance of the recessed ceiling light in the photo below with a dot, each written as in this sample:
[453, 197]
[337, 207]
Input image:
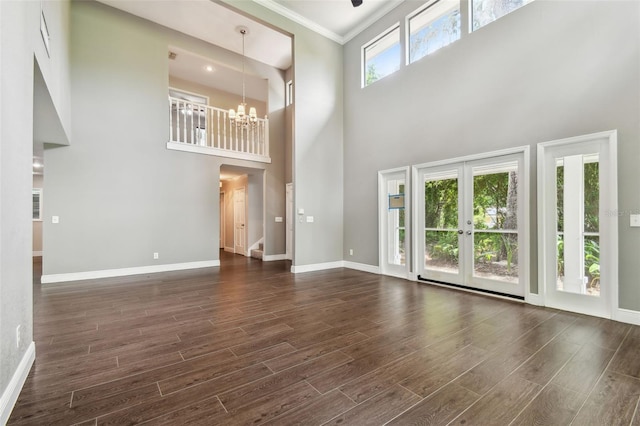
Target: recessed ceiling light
[209, 68]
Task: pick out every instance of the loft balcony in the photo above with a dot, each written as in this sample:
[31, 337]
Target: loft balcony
[205, 129]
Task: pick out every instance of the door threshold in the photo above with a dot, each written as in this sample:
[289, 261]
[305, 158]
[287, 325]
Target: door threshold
[473, 289]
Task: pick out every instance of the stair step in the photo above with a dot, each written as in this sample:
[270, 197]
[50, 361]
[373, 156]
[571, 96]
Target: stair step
[257, 254]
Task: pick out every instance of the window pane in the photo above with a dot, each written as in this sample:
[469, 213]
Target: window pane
[382, 56]
[486, 11]
[495, 256]
[495, 197]
[433, 28]
[441, 204]
[591, 195]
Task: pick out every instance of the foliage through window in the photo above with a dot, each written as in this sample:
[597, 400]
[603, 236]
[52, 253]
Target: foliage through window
[484, 12]
[433, 28]
[381, 56]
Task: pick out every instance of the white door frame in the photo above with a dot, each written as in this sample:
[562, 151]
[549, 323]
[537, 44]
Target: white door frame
[524, 227]
[608, 225]
[385, 267]
[289, 221]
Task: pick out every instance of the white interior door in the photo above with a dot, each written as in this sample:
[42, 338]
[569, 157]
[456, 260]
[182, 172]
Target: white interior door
[578, 248]
[470, 223]
[222, 216]
[394, 222]
[289, 221]
[239, 209]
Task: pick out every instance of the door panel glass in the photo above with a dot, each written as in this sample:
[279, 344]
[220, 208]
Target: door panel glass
[495, 221]
[495, 256]
[578, 227]
[441, 239]
[395, 222]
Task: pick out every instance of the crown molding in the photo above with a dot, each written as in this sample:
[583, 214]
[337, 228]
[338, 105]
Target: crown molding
[371, 20]
[299, 19]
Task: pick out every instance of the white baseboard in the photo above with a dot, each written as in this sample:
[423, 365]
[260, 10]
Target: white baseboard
[109, 273]
[229, 249]
[317, 267]
[362, 267]
[272, 257]
[628, 316]
[37, 253]
[12, 391]
[534, 299]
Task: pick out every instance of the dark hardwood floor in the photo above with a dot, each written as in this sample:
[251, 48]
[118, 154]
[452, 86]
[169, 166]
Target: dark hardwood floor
[251, 343]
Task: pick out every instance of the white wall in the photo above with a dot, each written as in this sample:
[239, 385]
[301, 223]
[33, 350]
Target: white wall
[20, 43]
[549, 70]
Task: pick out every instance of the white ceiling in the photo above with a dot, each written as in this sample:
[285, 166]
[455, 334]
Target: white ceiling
[191, 67]
[215, 24]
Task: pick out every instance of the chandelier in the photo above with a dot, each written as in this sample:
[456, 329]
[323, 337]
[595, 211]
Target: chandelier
[240, 118]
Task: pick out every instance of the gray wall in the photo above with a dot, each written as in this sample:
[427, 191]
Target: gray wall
[20, 42]
[549, 70]
[119, 193]
[318, 139]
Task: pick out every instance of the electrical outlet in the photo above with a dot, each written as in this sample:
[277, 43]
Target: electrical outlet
[156, 255]
[18, 337]
[350, 252]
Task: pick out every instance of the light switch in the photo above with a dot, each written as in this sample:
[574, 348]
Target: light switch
[634, 220]
[55, 219]
[278, 219]
[309, 219]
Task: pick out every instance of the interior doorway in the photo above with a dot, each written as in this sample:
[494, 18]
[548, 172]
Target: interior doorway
[242, 223]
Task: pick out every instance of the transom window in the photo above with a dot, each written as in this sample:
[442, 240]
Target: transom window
[484, 12]
[381, 56]
[433, 27]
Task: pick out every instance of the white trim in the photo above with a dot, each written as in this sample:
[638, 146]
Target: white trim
[479, 156]
[390, 5]
[273, 257]
[363, 267]
[12, 391]
[317, 267]
[534, 299]
[313, 26]
[37, 253]
[256, 245]
[109, 273]
[207, 150]
[229, 250]
[383, 268]
[299, 19]
[627, 315]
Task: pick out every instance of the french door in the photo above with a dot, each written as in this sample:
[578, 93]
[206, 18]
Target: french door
[578, 223]
[394, 222]
[470, 223]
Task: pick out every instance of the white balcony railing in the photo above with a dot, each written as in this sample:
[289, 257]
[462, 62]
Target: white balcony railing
[206, 129]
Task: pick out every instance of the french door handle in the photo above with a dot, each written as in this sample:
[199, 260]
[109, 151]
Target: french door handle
[460, 231]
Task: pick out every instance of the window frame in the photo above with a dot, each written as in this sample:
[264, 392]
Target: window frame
[471, 30]
[422, 9]
[369, 44]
